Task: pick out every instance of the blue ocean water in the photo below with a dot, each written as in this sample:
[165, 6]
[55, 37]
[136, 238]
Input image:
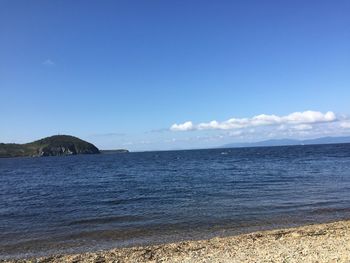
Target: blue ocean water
[78, 203]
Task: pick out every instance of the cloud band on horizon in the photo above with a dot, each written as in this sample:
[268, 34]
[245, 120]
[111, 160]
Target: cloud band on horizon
[295, 118]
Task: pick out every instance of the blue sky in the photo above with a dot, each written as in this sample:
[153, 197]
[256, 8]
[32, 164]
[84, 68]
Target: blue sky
[121, 74]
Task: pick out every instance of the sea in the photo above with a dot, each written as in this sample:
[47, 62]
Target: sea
[80, 203]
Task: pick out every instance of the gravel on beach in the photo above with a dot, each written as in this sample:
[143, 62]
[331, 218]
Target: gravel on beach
[314, 243]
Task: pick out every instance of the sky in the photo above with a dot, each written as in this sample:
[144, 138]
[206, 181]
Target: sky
[163, 75]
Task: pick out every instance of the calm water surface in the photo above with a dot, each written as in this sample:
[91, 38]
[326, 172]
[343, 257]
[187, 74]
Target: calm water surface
[78, 203]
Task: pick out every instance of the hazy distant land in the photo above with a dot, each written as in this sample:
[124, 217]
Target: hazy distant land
[287, 142]
[61, 145]
[114, 151]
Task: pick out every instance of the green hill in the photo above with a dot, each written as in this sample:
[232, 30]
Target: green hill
[51, 146]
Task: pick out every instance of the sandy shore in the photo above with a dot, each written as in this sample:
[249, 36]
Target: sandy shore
[315, 243]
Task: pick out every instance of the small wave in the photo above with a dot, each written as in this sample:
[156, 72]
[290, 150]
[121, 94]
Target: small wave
[331, 210]
[105, 220]
[129, 200]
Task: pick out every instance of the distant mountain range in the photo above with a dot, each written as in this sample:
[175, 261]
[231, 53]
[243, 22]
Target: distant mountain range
[285, 142]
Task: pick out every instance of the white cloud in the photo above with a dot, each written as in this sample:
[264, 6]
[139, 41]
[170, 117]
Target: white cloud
[186, 126]
[296, 118]
[302, 127]
[282, 127]
[345, 124]
[235, 133]
[48, 62]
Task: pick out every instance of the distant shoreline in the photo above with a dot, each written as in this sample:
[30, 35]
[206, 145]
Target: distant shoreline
[290, 142]
[114, 151]
[329, 242]
[240, 147]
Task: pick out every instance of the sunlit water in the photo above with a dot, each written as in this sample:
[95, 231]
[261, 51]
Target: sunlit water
[78, 203]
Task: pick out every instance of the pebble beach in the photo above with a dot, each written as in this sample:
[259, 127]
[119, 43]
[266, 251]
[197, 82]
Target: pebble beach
[328, 242]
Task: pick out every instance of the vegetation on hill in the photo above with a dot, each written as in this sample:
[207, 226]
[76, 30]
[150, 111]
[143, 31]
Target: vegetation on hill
[51, 146]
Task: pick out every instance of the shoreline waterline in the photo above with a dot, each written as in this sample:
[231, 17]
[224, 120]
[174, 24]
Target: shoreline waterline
[326, 242]
[29, 248]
